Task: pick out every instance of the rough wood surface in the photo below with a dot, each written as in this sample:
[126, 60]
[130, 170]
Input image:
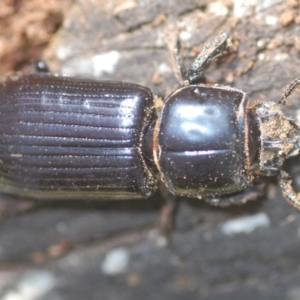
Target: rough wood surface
[68, 244]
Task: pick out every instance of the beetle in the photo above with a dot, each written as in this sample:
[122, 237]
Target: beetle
[70, 138]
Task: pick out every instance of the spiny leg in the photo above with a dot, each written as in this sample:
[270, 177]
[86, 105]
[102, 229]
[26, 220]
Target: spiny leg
[288, 192]
[221, 45]
[10, 206]
[168, 212]
[249, 194]
[173, 43]
[284, 180]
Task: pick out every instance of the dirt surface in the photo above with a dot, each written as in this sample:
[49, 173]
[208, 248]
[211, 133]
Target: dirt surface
[26, 28]
[111, 250]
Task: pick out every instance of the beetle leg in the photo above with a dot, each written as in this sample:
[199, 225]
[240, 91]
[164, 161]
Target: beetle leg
[173, 43]
[250, 193]
[288, 192]
[10, 206]
[168, 212]
[284, 179]
[218, 47]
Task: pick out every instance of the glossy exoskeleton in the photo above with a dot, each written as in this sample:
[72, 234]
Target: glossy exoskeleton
[71, 138]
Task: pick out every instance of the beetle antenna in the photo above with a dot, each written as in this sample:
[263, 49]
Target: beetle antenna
[294, 86]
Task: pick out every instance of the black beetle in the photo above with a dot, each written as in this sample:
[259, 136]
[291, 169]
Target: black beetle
[71, 138]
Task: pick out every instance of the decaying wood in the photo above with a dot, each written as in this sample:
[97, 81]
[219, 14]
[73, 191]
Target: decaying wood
[124, 40]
